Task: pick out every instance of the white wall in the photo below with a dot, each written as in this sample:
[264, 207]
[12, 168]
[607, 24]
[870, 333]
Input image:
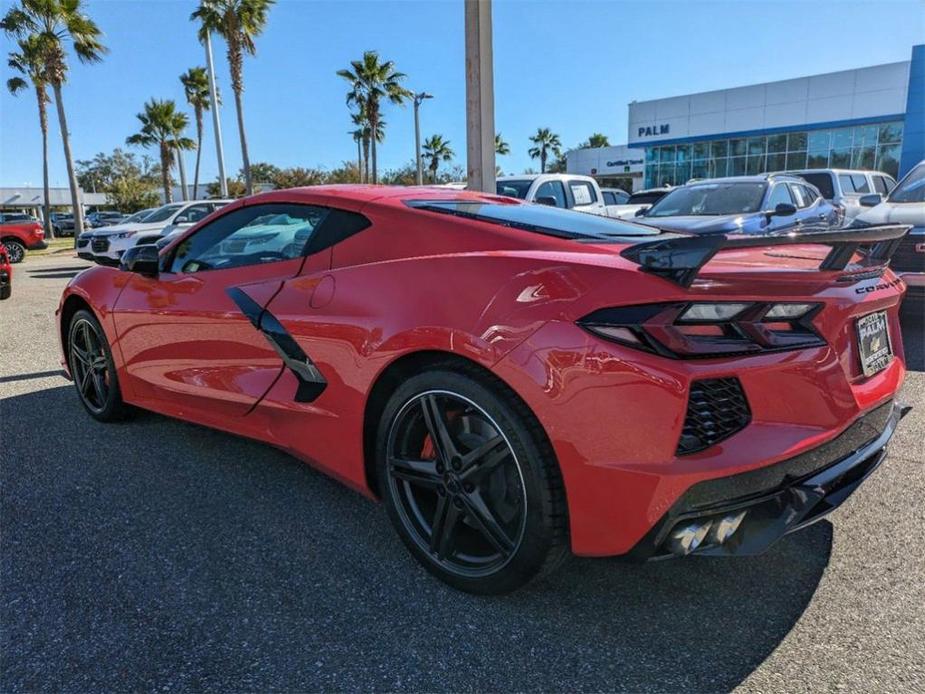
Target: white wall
[852, 94]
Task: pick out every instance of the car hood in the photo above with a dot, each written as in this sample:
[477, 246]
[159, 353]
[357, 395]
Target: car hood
[894, 213]
[120, 228]
[699, 224]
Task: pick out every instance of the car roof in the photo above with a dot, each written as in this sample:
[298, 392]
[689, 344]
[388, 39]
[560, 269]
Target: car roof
[360, 194]
[758, 178]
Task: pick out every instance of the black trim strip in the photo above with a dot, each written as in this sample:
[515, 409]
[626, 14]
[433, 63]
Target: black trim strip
[311, 382]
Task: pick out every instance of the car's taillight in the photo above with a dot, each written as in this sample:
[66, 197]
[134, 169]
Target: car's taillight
[37, 230]
[708, 329]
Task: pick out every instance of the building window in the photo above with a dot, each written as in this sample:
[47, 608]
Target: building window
[859, 147]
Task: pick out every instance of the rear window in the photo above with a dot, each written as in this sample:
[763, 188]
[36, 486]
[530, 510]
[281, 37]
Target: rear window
[823, 183]
[540, 219]
[911, 188]
[646, 198]
[514, 189]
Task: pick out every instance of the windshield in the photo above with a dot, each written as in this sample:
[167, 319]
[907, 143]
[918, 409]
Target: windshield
[709, 199]
[911, 188]
[162, 214]
[540, 219]
[137, 217]
[514, 189]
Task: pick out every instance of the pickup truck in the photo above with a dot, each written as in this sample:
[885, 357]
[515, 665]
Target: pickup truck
[568, 191]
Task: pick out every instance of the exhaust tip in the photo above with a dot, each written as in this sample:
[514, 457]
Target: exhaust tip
[725, 527]
[687, 537]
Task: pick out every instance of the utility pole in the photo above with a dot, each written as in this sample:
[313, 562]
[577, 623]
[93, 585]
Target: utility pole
[216, 120]
[418, 100]
[480, 98]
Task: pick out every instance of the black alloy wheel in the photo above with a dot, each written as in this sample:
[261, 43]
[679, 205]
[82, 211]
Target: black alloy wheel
[92, 369]
[16, 251]
[468, 488]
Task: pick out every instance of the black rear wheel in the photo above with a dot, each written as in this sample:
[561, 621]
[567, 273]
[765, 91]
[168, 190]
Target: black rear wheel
[93, 369]
[16, 250]
[470, 482]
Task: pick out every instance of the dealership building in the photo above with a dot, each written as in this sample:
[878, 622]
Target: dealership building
[867, 118]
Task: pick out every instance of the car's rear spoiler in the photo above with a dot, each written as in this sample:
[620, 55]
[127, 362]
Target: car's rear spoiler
[680, 258]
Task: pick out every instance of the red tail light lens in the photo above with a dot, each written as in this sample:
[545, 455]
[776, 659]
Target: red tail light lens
[708, 329]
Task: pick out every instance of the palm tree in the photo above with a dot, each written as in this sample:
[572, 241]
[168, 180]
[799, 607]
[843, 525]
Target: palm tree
[501, 147]
[436, 149]
[54, 23]
[28, 62]
[371, 81]
[544, 142]
[597, 140]
[239, 22]
[162, 126]
[196, 87]
[363, 132]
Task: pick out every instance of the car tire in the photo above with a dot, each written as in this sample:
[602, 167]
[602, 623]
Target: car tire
[93, 369]
[15, 249]
[484, 510]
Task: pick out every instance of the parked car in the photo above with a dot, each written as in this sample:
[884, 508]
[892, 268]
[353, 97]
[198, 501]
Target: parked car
[641, 200]
[6, 274]
[104, 218]
[614, 196]
[763, 204]
[568, 191]
[19, 235]
[844, 187]
[108, 244]
[554, 397]
[62, 223]
[904, 205]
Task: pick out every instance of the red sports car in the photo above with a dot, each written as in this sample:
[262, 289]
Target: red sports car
[515, 382]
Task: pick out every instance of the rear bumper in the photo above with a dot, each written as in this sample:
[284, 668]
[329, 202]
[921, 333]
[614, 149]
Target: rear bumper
[781, 498]
[39, 245]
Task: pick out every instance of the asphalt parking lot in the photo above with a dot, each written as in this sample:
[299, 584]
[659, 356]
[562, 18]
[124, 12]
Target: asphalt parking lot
[160, 555]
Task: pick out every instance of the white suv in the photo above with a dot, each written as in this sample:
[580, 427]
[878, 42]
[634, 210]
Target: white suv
[109, 243]
[844, 187]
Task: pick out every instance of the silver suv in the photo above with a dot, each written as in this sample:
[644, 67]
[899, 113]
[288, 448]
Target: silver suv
[844, 187]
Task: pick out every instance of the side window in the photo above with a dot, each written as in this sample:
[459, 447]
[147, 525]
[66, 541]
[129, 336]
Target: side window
[609, 197]
[809, 195]
[797, 192]
[881, 185]
[552, 189]
[193, 214]
[780, 195]
[860, 183]
[582, 192]
[249, 236]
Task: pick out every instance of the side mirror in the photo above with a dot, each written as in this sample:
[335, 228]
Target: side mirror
[641, 212]
[871, 200]
[143, 260]
[784, 209]
[547, 200]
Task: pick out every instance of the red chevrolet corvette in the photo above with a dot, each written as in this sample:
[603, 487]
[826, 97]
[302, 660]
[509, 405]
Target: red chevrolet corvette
[514, 381]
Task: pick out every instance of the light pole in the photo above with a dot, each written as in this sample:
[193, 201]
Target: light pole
[216, 122]
[418, 100]
[480, 98]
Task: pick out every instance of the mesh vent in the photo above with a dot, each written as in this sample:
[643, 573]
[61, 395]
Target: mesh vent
[716, 409]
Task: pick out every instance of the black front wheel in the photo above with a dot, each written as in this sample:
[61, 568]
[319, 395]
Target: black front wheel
[93, 369]
[470, 481]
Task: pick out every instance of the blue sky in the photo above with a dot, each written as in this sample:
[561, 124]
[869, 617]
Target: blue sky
[572, 67]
